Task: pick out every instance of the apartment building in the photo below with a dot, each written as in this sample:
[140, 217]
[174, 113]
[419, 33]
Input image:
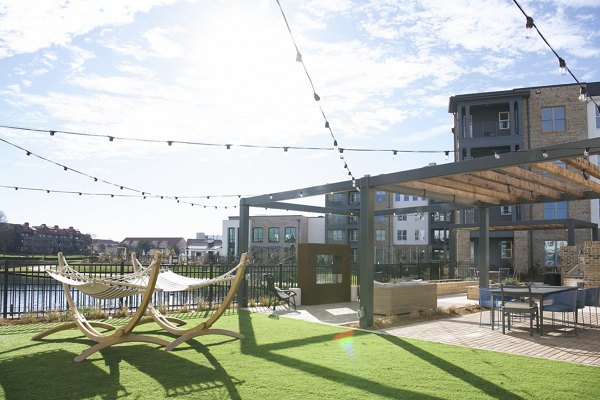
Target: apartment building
[273, 239]
[493, 123]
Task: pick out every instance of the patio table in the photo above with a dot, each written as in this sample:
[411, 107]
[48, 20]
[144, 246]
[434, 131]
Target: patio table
[537, 292]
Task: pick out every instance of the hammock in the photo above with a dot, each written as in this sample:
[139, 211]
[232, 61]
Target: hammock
[169, 281]
[140, 282]
[109, 287]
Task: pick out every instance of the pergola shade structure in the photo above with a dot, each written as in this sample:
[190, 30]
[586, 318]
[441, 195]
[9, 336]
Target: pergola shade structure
[556, 173]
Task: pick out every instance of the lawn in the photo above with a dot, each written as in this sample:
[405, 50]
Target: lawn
[280, 358]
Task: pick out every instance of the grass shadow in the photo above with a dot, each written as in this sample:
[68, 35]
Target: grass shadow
[488, 387]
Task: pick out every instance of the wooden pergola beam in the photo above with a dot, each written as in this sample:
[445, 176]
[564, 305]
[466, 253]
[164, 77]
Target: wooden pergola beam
[452, 191]
[473, 185]
[544, 181]
[524, 182]
[570, 176]
[585, 165]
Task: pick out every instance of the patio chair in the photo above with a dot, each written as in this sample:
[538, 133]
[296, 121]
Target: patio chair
[563, 302]
[510, 308]
[592, 299]
[277, 295]
[485, 301]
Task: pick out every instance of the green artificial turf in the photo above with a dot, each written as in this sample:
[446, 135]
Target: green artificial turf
[280, 358]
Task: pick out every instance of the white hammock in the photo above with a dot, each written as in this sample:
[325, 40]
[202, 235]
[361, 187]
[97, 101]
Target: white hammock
[169, 281]
[109, 287]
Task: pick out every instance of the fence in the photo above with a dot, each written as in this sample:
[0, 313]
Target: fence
[28, 289]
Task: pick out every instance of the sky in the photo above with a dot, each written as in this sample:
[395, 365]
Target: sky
[207, 74]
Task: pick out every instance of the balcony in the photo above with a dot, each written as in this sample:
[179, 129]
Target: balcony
[487, 129]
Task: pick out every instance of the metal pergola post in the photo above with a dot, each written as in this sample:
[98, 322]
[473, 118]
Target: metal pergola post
[484, 247]
[366, 252]
[243, 238]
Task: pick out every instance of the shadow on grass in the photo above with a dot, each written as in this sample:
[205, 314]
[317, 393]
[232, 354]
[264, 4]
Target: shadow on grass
[251, 348]
[18, 374]
[490, 388]
[178, 376]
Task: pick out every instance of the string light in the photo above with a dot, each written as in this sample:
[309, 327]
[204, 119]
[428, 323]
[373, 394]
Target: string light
[530, 25]
[582, 94]
[111, 195]
[192, 143]
[586, 152]
[446, 154]
[562, 66]
[544, 154]
[496, 155]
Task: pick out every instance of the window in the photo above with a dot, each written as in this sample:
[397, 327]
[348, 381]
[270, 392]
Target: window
[440, 235]
[419, 217]
[503, 120]
[353, 235]
[415, 198]
[380, 234]
[380, 196]
[273, 235]
[337, 219]
[257, 235]
[553, 119]
[506, 210]
[406, 197]
[337, 235]
[401, 235]
[558, 210]
[419, 234]
[597, 118]
[354, 198]
[505, 249]
[552, 251]
[290, 234]
[380, 256]
[397, 197]
[380, 218]
[336, 198]
[401, 217]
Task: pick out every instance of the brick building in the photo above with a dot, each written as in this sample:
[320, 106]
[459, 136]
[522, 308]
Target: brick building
[493, 123]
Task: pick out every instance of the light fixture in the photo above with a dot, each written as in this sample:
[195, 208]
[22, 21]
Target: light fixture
[446, 154]
[395, 153]
[110, 138]
[582, 94]
[317, 98]
[95, 179]
[496, 155]
[586, 152]
[562, 66]
[285, 149]
[341, 150]
[270, 197]
[65, 168]
[528, 27]
[301, 194]
[170, 142]
[228, 146]
[327, 124]
[52, 133]
[298, 57]
[544, 154]
[586, 176]
[28, 153]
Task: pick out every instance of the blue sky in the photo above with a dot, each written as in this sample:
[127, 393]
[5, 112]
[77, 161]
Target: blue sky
[225, 72]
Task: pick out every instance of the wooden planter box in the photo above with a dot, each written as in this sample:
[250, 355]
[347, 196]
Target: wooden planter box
[403, 298]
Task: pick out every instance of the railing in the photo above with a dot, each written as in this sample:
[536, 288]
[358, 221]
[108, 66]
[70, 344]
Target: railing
[29, 290]
[486, 129]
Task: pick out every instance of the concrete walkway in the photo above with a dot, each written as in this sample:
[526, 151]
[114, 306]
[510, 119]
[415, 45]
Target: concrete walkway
[582, 346]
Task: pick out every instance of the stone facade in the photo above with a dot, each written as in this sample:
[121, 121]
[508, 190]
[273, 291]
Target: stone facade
[587, 257]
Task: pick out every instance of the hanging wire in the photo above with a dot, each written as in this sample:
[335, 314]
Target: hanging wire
[530, 24]
[317, 98]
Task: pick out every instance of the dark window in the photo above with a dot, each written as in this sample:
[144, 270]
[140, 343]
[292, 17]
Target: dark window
[553, 119]
[273, 235]
[290, 234]
[257, 235]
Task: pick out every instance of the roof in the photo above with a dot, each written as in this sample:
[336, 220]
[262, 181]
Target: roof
[593, 89]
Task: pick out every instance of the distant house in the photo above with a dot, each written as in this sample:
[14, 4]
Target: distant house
[172, 246]
[204, 250]
[105, 247]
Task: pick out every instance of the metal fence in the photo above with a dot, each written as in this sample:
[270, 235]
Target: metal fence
[29, 290]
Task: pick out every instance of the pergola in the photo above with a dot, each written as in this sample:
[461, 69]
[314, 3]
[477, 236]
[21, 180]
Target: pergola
[525, 177]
